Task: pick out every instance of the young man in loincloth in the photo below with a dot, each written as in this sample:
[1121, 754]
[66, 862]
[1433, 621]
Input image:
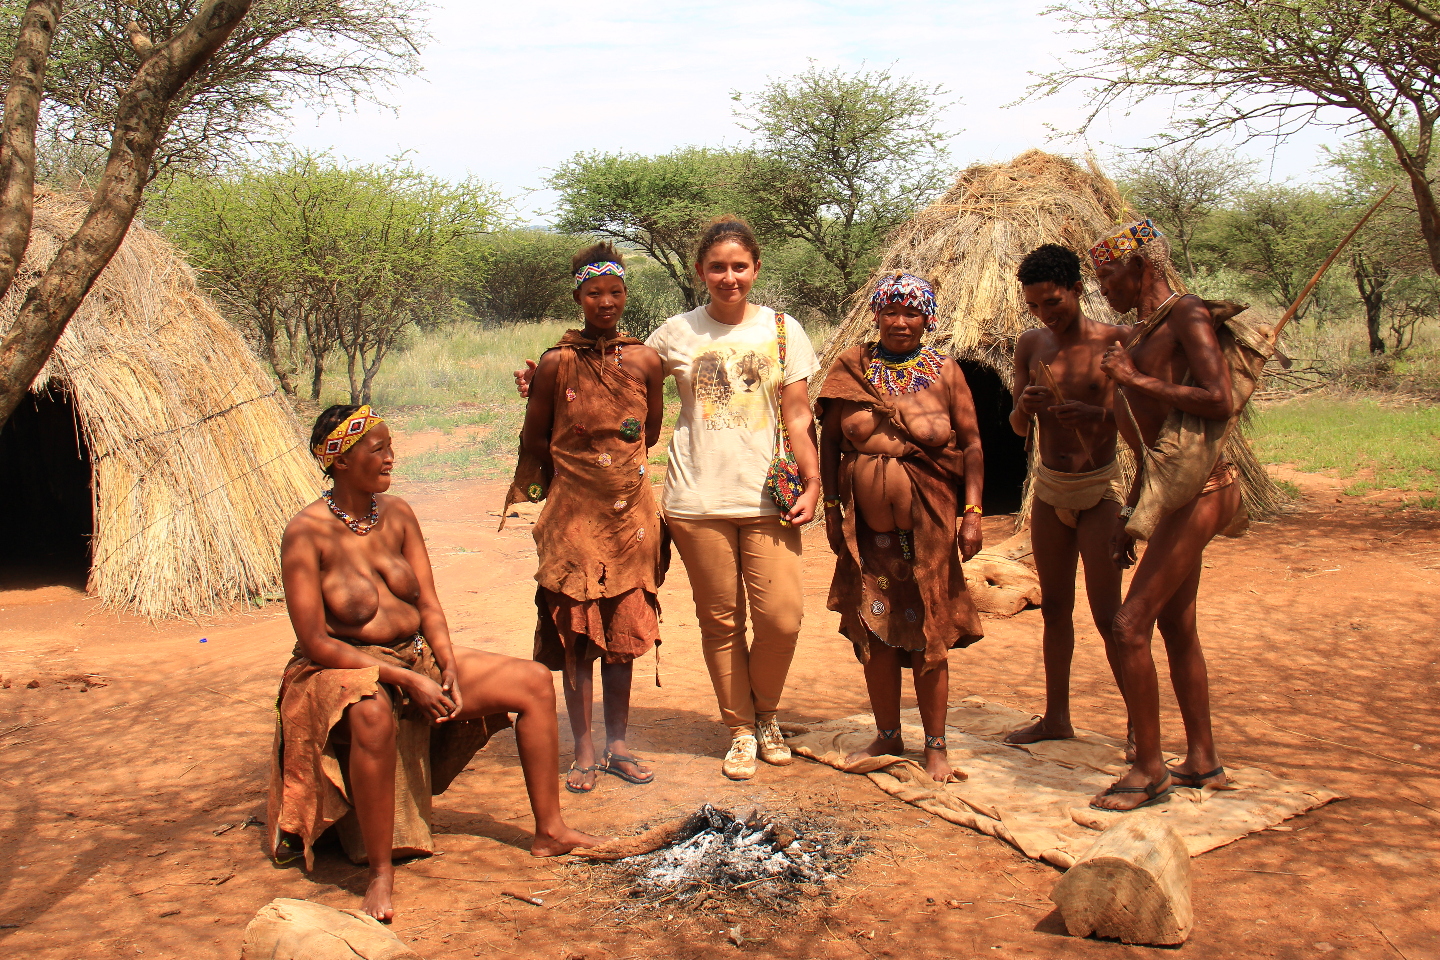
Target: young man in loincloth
[902, 469]
[1171, 365]
[1077, 484]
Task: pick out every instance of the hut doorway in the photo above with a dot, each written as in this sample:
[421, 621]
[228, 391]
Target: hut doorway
[45, 472]
[1005, 458]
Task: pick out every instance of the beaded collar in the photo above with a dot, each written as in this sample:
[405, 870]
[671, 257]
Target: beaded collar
[898, 373]
[362, 527]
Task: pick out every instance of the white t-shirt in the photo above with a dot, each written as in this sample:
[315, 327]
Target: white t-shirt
[728, 378]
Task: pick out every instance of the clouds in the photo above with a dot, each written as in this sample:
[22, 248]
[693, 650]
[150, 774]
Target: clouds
[513, 88]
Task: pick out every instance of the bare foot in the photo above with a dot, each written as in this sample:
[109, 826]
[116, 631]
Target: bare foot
[377, 895]
[937, 764]
[879, 747]
[1135, 789]
[561, 842]
[1042, 729]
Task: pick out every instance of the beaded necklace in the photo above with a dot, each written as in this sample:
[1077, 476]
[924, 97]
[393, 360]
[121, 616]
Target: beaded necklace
[898, 373]
[362, 527]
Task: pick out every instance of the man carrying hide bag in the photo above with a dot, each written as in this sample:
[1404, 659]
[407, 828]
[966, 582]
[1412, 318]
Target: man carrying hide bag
[1184, 375]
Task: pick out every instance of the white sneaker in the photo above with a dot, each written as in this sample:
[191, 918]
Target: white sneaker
[739, 763]
[773, 748]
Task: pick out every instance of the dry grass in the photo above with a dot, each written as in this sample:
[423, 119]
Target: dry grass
[970, 242]
[197, 461]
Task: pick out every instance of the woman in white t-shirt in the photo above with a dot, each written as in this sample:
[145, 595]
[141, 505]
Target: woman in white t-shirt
[740, 552]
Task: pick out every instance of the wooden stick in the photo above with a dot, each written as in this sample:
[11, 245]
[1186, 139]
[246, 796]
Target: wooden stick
[1054, 387]
[1295, 307]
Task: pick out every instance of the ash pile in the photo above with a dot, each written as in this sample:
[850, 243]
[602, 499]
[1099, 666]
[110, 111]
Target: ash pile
[759, 857]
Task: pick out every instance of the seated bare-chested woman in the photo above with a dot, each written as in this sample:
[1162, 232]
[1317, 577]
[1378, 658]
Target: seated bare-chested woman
[378, 712]
[900, 445]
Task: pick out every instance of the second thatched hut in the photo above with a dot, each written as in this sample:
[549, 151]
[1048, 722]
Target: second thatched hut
[969, 244]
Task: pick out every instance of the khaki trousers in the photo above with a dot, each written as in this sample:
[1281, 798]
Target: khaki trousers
[731, 560]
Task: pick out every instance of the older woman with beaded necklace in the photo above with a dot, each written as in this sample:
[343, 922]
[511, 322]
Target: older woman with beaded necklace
[900, 448]
[375, 688]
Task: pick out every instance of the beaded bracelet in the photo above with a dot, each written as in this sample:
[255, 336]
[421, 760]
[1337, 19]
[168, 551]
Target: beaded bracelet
[971, 508]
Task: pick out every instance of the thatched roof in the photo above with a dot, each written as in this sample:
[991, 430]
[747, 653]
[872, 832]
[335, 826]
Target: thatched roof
[970, 242]
[197, 462]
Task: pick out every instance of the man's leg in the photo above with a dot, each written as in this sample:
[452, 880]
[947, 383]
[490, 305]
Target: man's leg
[1171, 560]
[1188, 674]
[1102, 585]
[882, 680]
[1055, 555]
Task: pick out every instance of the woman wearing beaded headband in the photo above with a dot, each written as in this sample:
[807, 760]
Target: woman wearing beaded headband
[899, 448]
[596, 407]
[375, 684]
[741, 370]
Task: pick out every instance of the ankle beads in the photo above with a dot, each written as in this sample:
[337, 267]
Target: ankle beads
[934, 743]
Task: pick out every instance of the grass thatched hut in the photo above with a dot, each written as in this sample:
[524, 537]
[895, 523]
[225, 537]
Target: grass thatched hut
[153, 446]
[969, 244]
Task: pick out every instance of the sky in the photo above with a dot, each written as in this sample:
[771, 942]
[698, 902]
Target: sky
[510, 90]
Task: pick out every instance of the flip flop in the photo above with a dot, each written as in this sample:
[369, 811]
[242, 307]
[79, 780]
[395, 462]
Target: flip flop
[608, 767]
[1196, 780]
[574, 789]
[1154, 793]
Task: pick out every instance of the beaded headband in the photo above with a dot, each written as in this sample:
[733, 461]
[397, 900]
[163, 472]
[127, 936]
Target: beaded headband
[907, 290]
[592, 270]
[1129, 239]
[345, 436]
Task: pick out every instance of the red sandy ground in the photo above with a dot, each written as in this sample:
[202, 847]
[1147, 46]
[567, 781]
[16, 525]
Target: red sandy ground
[1321, 631]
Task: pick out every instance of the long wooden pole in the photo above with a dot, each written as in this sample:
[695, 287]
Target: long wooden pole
[1295, 307]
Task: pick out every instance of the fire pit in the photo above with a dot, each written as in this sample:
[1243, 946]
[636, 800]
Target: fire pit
[766, 859]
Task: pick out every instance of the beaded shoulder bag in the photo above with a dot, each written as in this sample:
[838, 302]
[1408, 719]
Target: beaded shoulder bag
[782, 480]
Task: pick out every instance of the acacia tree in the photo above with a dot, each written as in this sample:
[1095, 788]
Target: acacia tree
[1277, 234]
[659, 204]
[841, 159]
[1388, 259]
[1267, 69]
[325, 257]
[1182, 185]
[141, 118]
[318, 52]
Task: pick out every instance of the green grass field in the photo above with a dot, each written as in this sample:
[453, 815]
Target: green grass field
[1397, 442]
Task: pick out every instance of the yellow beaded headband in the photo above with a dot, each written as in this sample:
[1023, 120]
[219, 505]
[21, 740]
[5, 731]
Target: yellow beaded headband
[1129, 239]
[345, 436]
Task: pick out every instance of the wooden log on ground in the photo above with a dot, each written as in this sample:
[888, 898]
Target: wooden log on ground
[286, 929]
[1132, 885]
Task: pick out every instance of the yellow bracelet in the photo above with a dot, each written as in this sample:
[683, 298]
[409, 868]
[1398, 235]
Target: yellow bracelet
[971, 508]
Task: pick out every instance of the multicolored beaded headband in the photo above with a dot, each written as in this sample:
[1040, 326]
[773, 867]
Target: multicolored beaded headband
[907, 290]
[1130, 238]
[345, 436]
[592, 270]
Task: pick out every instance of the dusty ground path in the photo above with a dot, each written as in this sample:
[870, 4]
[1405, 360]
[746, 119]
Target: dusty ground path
[121, 805]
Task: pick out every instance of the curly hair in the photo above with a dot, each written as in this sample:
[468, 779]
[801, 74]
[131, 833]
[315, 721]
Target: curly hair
[602, 252]
[1049, 263]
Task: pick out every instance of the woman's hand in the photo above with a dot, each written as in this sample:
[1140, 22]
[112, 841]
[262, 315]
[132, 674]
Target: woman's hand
[1118, 366]
[804, 510]
[835, 530]
[970, 536]
[1122, 546]
[523, 377]
[430, 698]
[450, 686]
